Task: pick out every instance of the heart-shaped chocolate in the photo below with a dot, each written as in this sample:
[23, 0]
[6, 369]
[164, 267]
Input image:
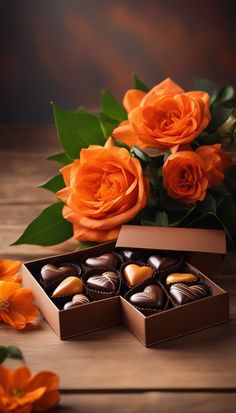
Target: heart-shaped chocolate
[183, 293]
[134, 274]
[179, 277]
[108, 260]
[76, 301]
[50, 273]
[160, 262]
[108, 281]
[151, 297]
[69, 286]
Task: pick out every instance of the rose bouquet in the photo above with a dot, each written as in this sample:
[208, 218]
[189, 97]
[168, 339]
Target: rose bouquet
[157, 159]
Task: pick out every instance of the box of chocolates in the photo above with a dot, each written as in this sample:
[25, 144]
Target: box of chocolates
[144, 280]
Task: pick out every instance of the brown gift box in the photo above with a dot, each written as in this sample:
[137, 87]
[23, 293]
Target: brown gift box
[174, 322]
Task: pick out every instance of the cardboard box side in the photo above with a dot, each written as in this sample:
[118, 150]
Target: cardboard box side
[133, 320]
[187, 319]
[43, 302]
[172, 239]
[90, 317]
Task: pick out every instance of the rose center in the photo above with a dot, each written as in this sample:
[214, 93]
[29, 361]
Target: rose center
[4, 304]
[17, 393]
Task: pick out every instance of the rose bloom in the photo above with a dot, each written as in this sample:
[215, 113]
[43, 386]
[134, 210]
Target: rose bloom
[104, 189]
[165, 117]
[184, 177]
[9, 269]
[215, 162]
[20, 392]
[16, 305]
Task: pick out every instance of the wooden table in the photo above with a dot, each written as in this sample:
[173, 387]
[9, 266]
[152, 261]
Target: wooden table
[109, 370]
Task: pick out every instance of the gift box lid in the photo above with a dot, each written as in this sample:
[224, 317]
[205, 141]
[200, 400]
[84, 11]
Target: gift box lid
[173, 239]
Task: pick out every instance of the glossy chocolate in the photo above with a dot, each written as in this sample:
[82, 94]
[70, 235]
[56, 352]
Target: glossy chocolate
[160, 262]
[180, 277]
[77, 300]
[50, 273]
[151, 297]
[69, 286]
[183, 293]
[108, 260]
[108, 281]
[134, 274]
[127, 254]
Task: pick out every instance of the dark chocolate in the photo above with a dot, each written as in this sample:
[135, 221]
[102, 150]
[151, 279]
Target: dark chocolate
[151, 297]
[108, 281]
[50, 273]
[108, 260]
[127, 254]
[183, 293]
[160, 262]
[77, 300]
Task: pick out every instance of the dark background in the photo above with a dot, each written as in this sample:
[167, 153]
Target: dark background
[67, 50]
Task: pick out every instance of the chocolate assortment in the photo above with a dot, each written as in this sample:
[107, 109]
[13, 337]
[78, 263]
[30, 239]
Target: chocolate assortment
[160, 262]
[51, 274]
[180, 277]
[77, 300]
[69, 286]
[136, 273]
[108, 260]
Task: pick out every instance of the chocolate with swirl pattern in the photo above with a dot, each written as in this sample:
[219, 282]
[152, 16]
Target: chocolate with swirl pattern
[108, 282]
[183, 293]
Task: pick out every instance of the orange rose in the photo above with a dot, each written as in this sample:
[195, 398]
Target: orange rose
[215, 162]
[21, 392]
[184, 177]
[9, 269]
[104, 189]
[165, 117]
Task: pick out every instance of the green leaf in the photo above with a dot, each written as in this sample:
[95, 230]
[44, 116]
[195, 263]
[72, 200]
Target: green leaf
[140, 155]
[107, 125]
[160, 220]
[139, 84]
[54, 184]
[49, 228]
[77, 130]
[219, 115]
[121, 144]
[83, 245]
[14, 353]
[3, 353]
[224, 95]
[207, 86]
[230, 178]
[170, 204]
[167, 153]
[112, 108]
[60, 158]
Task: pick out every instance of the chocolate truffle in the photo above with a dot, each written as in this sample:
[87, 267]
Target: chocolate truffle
[135, 274]
[160, 262]
[108, 260]
[108, 281]
[180, 277]
[127, 254]
[76, 301]
[151, 297]
[69, 286]
[183, 293]
[50, 273]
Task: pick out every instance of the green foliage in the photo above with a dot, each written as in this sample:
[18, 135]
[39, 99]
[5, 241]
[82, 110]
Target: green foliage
[139, 84]
[112, 108]
[107, 124]
[77, 130]
[54, 184]
[10, 352]
[61, 158]
[49, 228]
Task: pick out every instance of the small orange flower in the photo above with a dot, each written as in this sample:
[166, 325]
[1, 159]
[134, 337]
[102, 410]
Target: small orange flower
[16, 306]
[20, 392]
[184, 177]
[215, 162]
[9, 269]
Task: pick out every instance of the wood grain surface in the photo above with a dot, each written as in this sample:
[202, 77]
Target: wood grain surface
[108, 370]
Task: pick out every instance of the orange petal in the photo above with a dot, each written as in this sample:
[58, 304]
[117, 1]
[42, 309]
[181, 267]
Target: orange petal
[125, 133]
[132, 99]
[9, 267]
[8, 289]
[20, 378]
[47, 401]
[86, 234]
[14, 319]
[44, 378]
[5, 375]
[31, 397]
[22, 303]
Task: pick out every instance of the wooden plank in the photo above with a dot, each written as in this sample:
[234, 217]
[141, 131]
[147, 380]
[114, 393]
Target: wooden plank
[152, 402]
[115, 359]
